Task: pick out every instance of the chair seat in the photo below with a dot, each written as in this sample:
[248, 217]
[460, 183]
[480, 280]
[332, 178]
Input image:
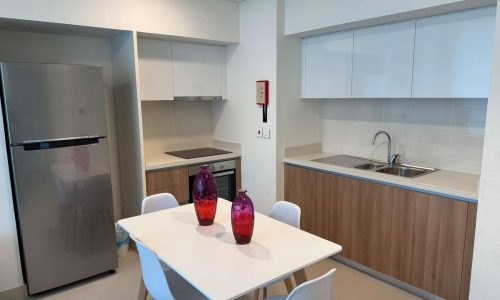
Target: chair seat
[278, 297]
[180, 288]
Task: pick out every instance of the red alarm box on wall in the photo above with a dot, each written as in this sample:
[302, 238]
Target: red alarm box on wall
[262, 96]
[263, 92]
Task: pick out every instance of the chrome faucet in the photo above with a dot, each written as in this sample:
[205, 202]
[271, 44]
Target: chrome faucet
[391, 158]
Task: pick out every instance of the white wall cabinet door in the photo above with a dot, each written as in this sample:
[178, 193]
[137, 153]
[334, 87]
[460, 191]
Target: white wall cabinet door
[327, 65]
[453, 55]
[383, 61]
[198, 70]
[155, 69]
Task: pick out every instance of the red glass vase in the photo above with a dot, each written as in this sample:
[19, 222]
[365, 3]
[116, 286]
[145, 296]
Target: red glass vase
[242, 218]
[205, 196]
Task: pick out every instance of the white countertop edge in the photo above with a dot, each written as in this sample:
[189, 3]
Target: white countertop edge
[406, 183]
[181, 162]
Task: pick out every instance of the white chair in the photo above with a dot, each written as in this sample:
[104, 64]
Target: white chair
[286, 212]
[163, 285]
[319, 288]
[151, 204]
[158, 202]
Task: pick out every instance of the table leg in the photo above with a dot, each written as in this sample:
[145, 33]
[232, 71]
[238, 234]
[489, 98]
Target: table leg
[143, 293]
[256, 294]
[300, 276]
[289, 284]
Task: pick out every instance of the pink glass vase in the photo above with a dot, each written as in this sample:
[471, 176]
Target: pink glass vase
[242, 218]
[205, 196]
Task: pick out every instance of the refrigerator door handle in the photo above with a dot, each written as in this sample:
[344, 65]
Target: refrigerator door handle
[59, 143]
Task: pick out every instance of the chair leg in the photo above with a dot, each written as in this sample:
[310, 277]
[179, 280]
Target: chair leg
[289, 284]
[300, 276]
[264, 293]
[143, 293]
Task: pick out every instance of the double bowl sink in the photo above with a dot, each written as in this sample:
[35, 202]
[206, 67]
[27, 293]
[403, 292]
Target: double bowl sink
[402, 170]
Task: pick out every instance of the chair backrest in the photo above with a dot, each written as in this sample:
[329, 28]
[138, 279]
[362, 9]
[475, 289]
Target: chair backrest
[319, 288]
[152, 273]
[286, 212]
[158, 202]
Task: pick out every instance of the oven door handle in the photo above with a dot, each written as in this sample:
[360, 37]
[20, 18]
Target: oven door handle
[223, 173]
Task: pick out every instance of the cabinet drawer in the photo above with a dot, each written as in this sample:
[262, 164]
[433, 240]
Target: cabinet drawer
[166, 178]
[174, 181]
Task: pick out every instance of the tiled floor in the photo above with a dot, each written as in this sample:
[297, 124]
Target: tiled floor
[349, 284]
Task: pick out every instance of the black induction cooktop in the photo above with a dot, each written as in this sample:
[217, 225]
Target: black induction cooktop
[198, 152]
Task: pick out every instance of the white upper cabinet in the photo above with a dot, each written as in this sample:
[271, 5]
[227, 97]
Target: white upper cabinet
[155, 69]
[453, 55]
[198, 70]
[383, 61]
[327, 66]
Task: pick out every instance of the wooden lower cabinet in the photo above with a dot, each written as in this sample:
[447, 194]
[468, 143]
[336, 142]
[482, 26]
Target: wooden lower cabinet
[421, 239]
[360, 219]
[307, 189]
[438, 244]
[174, 181]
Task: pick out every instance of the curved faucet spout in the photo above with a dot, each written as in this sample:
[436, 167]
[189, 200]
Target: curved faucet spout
[389, 142]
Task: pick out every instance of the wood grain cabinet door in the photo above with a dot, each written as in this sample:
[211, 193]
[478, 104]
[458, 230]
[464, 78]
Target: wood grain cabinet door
[344, 193]
[360, 220]
[310, 190]
[438, 244]
[372, 224]
[424, 240]
[403, 220]
[174, 181]
[469, 250]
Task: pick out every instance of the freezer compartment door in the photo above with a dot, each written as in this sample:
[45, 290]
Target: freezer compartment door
[65, 213]
[48, 101]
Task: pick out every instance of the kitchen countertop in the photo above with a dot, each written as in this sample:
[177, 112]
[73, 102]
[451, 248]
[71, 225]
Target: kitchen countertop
[456, 185]
[164, 161]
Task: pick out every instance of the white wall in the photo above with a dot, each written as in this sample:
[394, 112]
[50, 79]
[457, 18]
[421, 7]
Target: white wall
[237, 119]
[128, 122]
[299, 121]
[176, 125]
[317, 16]
[215, 20]
[486, 261]
[441, 133]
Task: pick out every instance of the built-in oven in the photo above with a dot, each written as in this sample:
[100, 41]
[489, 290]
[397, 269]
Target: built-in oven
[225, 176]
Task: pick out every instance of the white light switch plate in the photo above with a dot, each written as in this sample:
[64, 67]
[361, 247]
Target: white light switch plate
[266, 133]
[259, 132]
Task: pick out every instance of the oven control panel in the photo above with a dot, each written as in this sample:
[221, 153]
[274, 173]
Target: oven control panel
[219, 166]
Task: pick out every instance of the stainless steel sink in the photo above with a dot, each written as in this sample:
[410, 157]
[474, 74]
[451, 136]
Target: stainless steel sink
[370, 166]
[360, 163]
[405, 171]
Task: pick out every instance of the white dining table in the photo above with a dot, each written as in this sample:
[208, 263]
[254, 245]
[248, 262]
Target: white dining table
[209, 258]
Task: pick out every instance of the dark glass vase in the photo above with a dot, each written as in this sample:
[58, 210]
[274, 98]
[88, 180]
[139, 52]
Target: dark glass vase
[205, 196]
[242, 218]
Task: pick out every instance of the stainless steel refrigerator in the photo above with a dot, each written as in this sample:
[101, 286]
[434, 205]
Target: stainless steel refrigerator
[59, 161]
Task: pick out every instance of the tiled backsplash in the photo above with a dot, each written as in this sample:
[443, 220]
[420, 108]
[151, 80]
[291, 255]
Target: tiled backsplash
[442, 133]
[175, 125]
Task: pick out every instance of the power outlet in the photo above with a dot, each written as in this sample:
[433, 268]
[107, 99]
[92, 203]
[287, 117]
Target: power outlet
[259, 133]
